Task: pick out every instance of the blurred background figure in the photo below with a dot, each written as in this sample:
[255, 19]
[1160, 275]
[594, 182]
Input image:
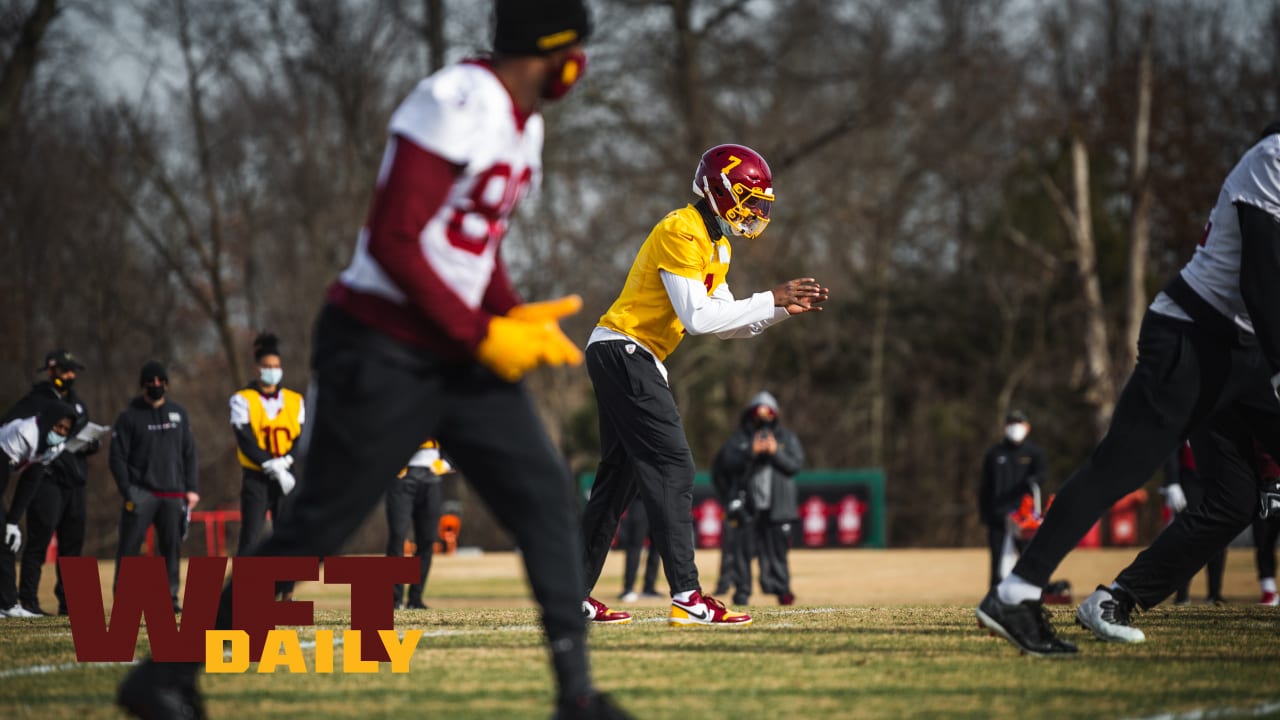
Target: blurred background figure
[758, 464]
[59, 505]
[32, 434]
[1012, 468]
[1266, 530]
[153, 461]
[633, 530]
[1184, 487]
[267, 420]
[415, 500]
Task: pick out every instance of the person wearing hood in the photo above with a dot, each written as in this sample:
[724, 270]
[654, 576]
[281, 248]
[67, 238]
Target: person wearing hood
[31, 437]
[1012, 468]
[153, 461]
[757, 467]
[60, 505]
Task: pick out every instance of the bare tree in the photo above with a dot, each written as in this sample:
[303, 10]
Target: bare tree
[22, 60]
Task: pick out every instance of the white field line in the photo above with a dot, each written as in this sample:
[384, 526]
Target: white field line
[1265, 708]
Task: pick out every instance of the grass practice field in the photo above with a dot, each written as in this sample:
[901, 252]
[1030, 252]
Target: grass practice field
[875, 634]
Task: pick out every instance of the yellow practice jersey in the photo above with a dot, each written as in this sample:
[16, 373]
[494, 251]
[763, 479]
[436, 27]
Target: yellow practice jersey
[680, 245]
[428, 456]
[276, 432]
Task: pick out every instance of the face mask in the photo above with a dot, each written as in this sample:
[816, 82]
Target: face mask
[63, 384]
[53, 439]
[1017, 432]
[726, 229]
[153, 392]
[270, 376]
[563, 78]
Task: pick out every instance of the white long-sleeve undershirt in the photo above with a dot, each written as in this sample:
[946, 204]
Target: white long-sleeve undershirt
[720, 313]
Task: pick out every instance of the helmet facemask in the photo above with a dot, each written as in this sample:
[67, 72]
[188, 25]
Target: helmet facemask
[744, 209]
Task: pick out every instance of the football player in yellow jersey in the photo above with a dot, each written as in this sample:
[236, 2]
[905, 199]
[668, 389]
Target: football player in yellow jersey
[415, 499]
[267, 419]
[676, 287]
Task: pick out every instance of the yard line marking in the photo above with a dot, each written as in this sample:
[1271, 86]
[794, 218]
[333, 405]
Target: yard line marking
[45, 669]
[1265, 708]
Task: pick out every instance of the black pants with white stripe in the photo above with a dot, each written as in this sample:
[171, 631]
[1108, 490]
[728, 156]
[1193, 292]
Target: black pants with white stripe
[373, 400]
[56, 508]
[643, 451]
[1187, 373]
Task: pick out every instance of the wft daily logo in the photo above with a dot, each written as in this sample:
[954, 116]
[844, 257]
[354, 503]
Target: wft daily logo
[250, 633]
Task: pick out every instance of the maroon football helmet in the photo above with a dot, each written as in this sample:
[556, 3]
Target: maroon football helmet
[736, 182]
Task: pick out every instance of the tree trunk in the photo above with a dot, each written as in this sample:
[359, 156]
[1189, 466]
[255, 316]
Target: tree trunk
[688, 77]
[22, 61]
[1140, 193]
[1099, 389]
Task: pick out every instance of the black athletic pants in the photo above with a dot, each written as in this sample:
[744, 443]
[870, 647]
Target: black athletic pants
[1186, 373]
[55, 508]
[141, 510]
[1193, 485]
[258, 494]
[632, 534]
[373, 400]
[995, 543]
[733, 541]
[643, 450]
[1265, 532]
[768, 541]
[413, 502]
[9, 560]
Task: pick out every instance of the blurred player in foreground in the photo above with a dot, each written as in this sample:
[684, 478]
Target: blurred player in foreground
[423, 336]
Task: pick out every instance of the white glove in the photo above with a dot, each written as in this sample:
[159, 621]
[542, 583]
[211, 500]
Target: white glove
[276, 465]
[286, 480]
[1174, 497]
[12, 537]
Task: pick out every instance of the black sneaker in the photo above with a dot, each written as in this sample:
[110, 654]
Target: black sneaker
[596, 706]
[162, 691]
[1026, 625]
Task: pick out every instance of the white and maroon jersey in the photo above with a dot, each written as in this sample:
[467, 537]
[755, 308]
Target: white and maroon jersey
[459, 157]
[1214, 270]
[20, 442]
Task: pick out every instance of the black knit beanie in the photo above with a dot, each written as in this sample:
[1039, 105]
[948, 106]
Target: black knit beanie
[539, 27]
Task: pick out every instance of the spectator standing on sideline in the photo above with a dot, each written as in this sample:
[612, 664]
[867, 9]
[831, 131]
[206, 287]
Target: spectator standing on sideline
[1011, 468]
[267, 420]
[759, 463]
[153, 461]
[59, 505]
[424, 336]
[1265, 531]
[32, 434]
[414, 501]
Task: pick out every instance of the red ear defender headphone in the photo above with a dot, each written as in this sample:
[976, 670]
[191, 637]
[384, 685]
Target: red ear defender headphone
[566, 76]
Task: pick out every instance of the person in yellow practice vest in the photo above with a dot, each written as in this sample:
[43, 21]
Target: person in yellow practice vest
[676, 286]
[415, 498]
[267, 418]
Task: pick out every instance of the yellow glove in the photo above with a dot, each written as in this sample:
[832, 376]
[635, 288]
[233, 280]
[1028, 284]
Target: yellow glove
[547, 309]
[514, 347]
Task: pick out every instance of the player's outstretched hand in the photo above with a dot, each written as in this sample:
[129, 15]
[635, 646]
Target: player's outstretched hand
[514, 347]
[801, 295]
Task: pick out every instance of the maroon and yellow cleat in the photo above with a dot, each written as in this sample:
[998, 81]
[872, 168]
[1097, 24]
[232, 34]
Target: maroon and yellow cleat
[597, 612]
[704, 610]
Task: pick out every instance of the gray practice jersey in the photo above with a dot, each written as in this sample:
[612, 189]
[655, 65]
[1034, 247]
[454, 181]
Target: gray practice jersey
[1214, 271]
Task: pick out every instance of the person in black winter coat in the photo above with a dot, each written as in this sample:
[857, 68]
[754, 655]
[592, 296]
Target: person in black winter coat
[153, 461]
[60, 504]
[756, 470]
[1012, 468]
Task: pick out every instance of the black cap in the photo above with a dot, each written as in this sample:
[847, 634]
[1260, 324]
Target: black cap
[526, 27]
[62, 359]
[1016, 416]
[153, 369]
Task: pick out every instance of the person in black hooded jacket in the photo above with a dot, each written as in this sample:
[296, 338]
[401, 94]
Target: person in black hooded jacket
[60, 504]
[757, 467]
[153, 461]
[31, 436]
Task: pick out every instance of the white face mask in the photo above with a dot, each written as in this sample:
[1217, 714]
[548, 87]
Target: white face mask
[1016, 432]
[270, 376]
[53, 439]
